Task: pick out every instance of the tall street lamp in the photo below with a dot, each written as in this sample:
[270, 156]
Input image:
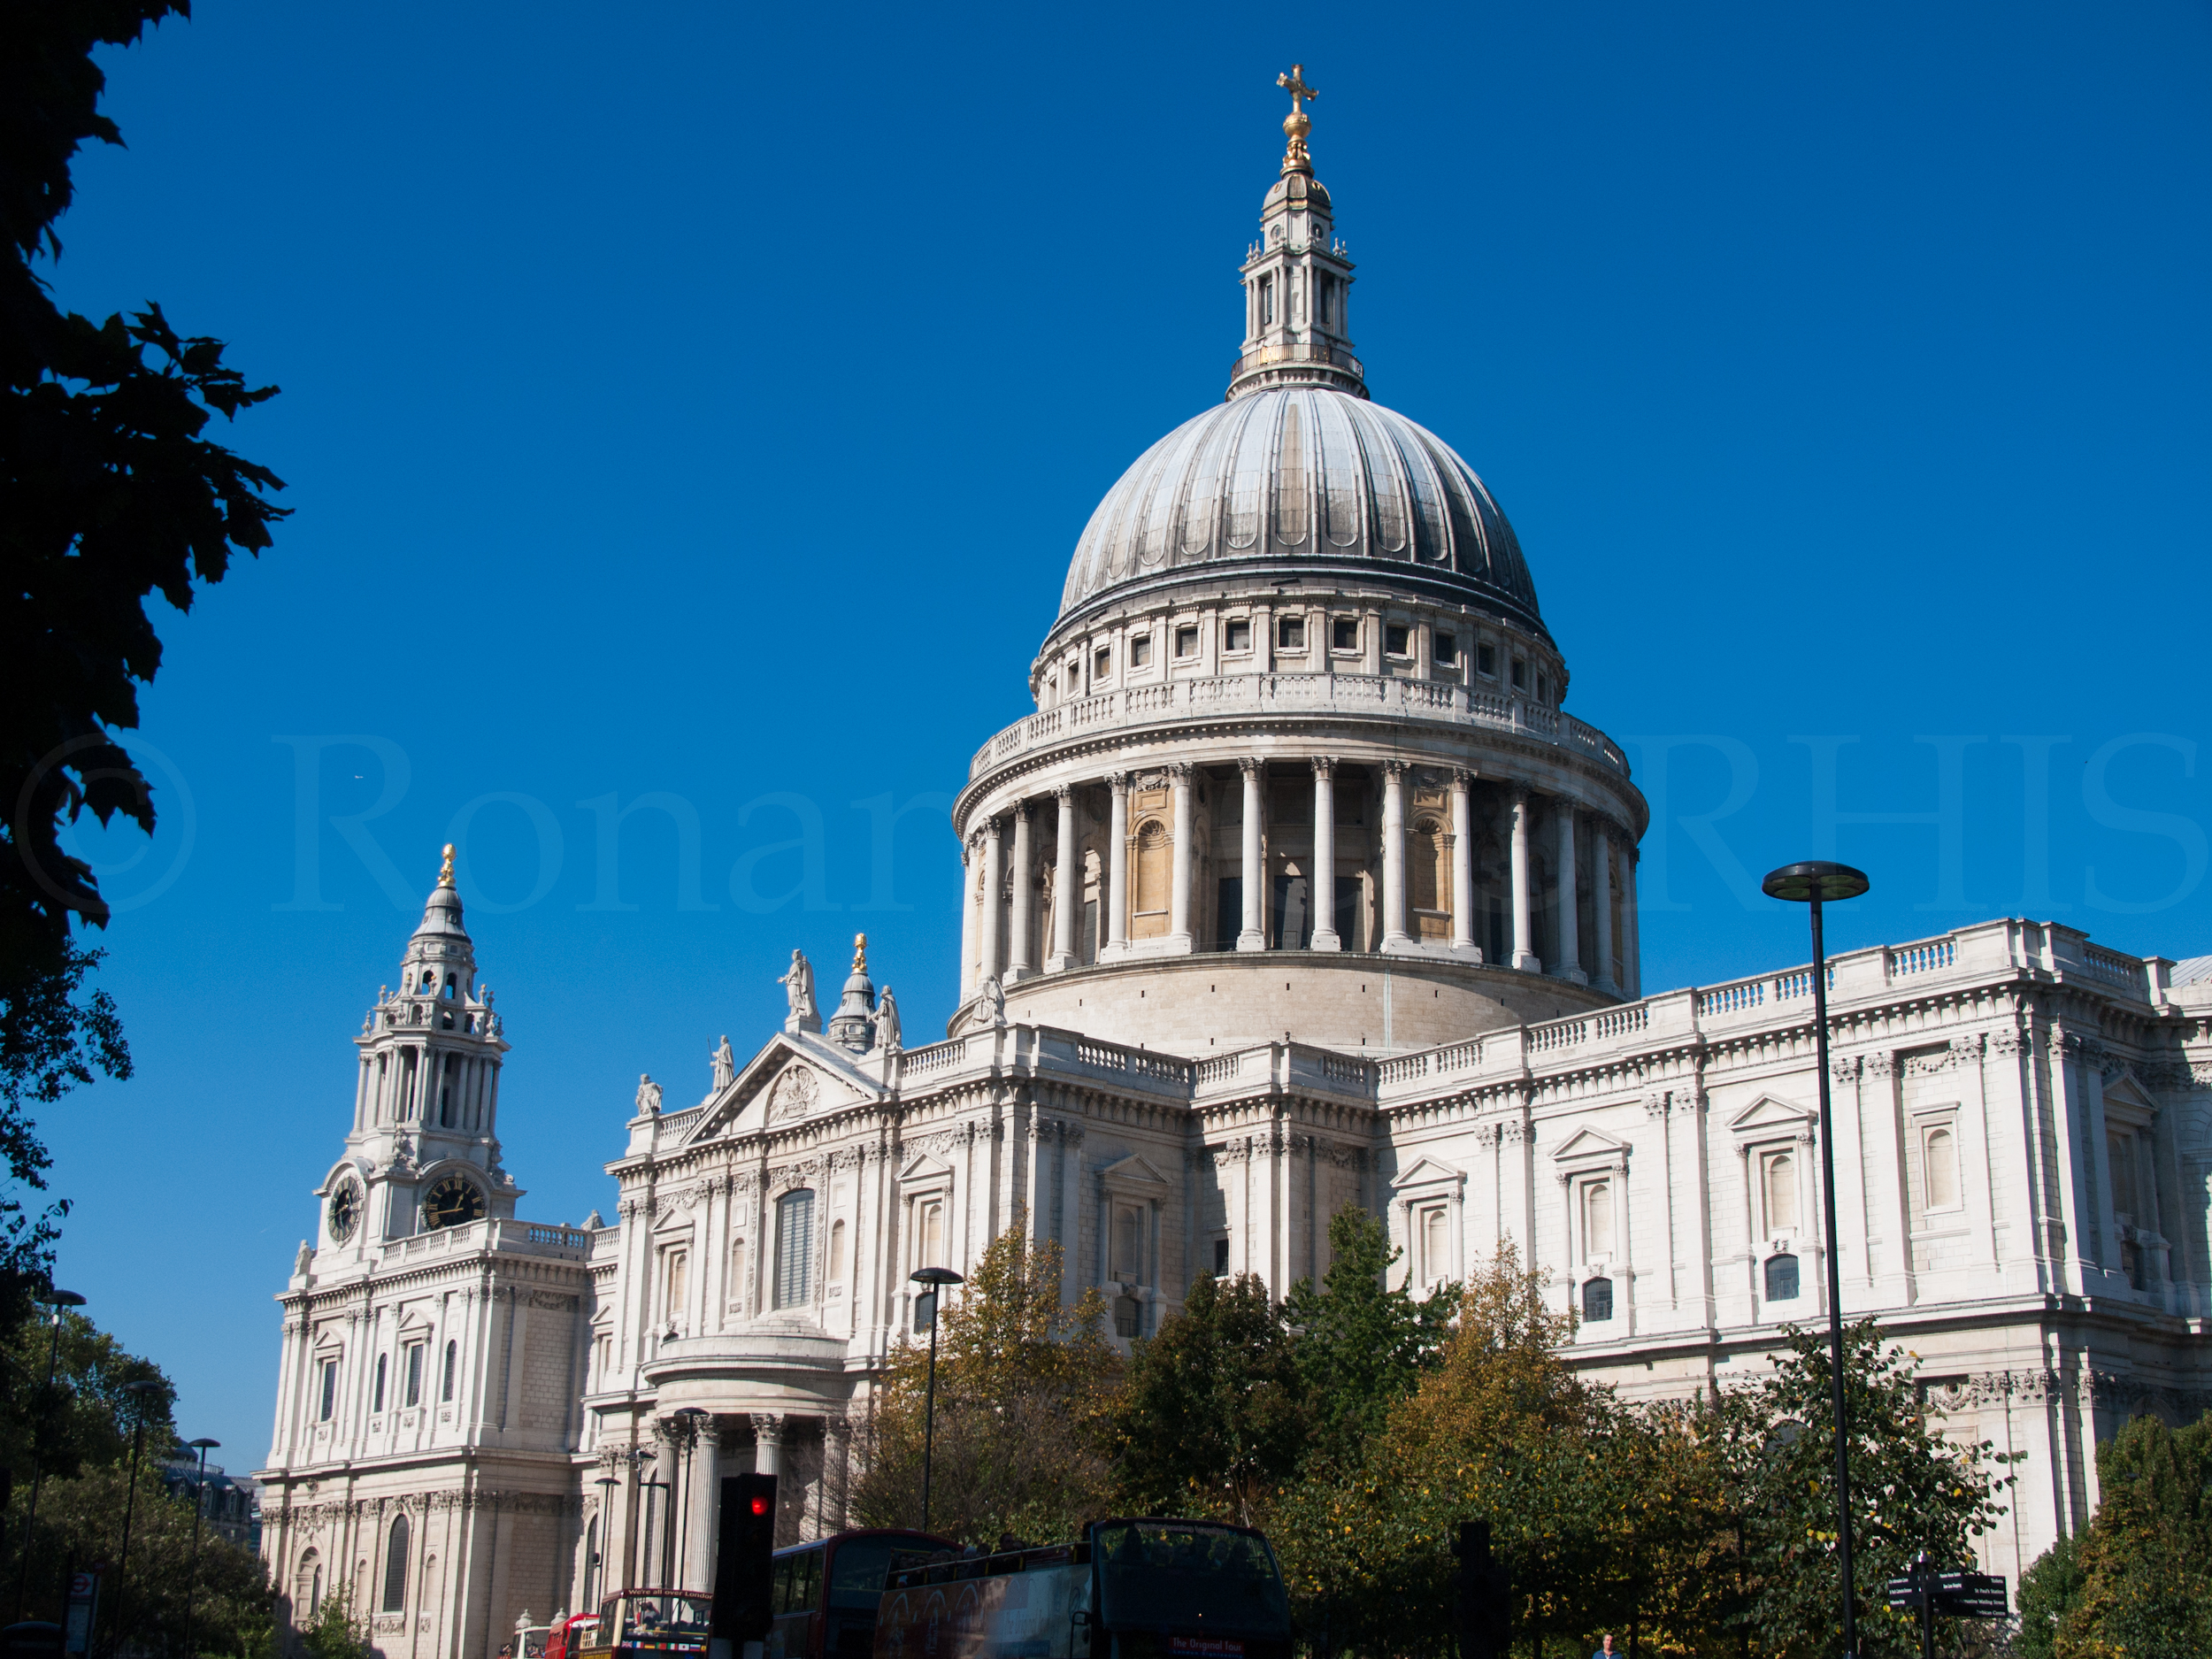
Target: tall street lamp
[1814, 885]
[56, 1300]
[936, 1279]
[608, 1486]
[141, 1393]
[199, 1507]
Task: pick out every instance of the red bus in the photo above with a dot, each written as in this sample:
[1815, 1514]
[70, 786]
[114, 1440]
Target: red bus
[648, 1624]
[827, 1592]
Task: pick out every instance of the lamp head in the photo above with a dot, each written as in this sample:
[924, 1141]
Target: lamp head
[203, 1445]
[933, 1276]
[1801, 884]
[62, 1299]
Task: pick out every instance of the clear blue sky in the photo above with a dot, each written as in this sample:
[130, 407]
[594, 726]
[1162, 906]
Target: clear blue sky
[707, 400]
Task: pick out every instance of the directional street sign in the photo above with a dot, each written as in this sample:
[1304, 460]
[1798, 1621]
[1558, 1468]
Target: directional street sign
[1958, 1594]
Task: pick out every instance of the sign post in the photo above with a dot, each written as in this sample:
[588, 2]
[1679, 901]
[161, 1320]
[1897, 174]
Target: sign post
[1952, 1594]
[84, 1606]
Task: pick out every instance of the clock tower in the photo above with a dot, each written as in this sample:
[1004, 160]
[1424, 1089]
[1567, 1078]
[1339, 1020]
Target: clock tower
[434, 1344]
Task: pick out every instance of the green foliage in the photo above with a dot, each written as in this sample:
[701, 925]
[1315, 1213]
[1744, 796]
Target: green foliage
[1213, 1416]
[2137, 1584]
[110, 492]
[80, 1520]
[85, 1418]
[1023, 1388]
[334, 1633]
[1362, 1346]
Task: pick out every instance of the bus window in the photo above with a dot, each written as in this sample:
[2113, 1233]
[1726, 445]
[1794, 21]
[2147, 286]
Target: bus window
[1188, 1575]
[857, 1570]
[798, 1587]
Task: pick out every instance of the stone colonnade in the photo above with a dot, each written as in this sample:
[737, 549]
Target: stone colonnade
[638, 1546]
[1000, 936]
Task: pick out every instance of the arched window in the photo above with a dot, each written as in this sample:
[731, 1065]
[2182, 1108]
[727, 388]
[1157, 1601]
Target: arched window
[1597, 1221]
[395, 1567]
[1129, 1241]
[1149, 892]
[794, 1248]
[591, 1563]
[1436, 1235]
[307, 1587]
[1781, 1278]
[445, 1088]
[837, 1252]
[1943, 1170]
[1597, 1301]
[739, 1288]
[377, 1399]
[445, 1389]
[1781, 1194]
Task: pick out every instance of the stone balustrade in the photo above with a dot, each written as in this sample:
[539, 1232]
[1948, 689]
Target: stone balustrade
[1380, 697]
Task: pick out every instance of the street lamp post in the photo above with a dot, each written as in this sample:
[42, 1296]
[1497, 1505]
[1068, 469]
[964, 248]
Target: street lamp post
[606, 1484]
[936, 1279]
[141, 1392]
[692, 1420]
[1814, 885]
[199, 1507]
[56, 1300]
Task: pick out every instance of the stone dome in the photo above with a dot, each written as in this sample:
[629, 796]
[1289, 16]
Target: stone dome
[1309, 481]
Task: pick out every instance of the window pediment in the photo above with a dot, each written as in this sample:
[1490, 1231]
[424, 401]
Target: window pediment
[1427, 1175]
[1134, 1176]
[1767, 1118]
[1588, 1146]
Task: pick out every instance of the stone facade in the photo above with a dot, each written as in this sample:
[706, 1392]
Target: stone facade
[1299, 891]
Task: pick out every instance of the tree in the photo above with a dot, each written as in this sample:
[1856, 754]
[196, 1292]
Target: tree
[1213, 1417]
[334, 1633]
[1024, 1386]
[108, 493]
[1361, 1347]
[2139, 1583]
[86, 1417]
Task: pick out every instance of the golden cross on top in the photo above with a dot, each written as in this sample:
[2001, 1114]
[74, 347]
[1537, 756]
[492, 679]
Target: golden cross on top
[1295, 83]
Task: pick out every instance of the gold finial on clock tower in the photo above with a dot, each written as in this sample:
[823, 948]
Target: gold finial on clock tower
[1297, 124]
[445, 870]
[860, 953]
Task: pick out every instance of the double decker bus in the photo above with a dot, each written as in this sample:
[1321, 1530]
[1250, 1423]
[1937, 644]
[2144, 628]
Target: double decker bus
[1146, 1588]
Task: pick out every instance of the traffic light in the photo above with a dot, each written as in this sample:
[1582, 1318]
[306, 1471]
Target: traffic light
[744, 1564]
[1483, 1605]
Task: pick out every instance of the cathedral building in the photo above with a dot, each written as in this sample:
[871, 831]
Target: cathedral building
[1301, 889]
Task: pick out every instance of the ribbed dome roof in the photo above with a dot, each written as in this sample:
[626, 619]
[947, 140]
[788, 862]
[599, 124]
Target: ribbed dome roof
[1304, 476]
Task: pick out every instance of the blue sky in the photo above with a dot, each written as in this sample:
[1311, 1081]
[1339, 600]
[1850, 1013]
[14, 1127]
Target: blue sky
[705, 401]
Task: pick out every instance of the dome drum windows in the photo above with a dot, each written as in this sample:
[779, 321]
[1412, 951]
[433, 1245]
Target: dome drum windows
[1186, 641]
[1139, 650]
[1344, 634]
[1290, 634]
[1236, 636]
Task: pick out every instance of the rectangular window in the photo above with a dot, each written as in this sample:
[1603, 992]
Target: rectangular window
[1290, 633]
[1293, 918]
[794, 1248]
[1267, 301]
[1520, 674]
[1221, 1260]
[1228, 913]
[330, 1390]
[1344, 634]
[1486, 660]
[1129, 1241]
[1328, 292]
[1237, 636]
[1187, 642]
[376, 1395]
[1543, 688]
[414, 1374]
[1139, 650]
[1103, 665]
[1446, 651]
[1397, 641]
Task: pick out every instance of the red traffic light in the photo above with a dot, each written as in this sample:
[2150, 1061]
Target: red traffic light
[760, 1506]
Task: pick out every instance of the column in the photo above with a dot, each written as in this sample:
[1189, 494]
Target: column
[1025, 911]
[1324, 883]
[1569, 910]
[1524, 958]
[767, 1443]
[1253, 937]
[1601, 902]
[988, 960]
[970, 855]
[1631, 927]
[1393, 852]
[1179, 898]
[1117, 868]
[1463, 867]
[837, 1465]
[702, 1509]
[1067, 886]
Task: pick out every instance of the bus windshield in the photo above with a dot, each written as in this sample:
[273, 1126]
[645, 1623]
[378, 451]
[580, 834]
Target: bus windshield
[857, 1568]
[664, 1621]
[1186, 1575]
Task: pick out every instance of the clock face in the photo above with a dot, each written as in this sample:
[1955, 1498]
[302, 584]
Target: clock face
[452, 1201]
[345, 1211]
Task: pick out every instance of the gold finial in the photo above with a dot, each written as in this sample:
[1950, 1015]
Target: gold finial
[445, 870]
[860, 953]
[1297, 124]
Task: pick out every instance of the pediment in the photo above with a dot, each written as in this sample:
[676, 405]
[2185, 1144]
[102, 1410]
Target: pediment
[1767, 1114]
[1426, 1172]
[795, 1076]
[922, 1167]
[1586, 1143]
[1133, 1175]
[2125, 1091]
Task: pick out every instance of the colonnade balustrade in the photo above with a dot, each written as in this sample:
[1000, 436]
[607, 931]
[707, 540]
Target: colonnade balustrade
[999, 921]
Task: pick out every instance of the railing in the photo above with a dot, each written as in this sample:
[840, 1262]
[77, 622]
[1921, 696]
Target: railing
[938, 1057]
[1559, 1033]
[676, 1123]
[1248, 693]
[1113, 1057]
[1904, 960]
[2124, 973]
[1343, 1069]
[1621, 1022]
[1460, 1056]
[1402, 1068]
[1731, 999]
[1221, 1068]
